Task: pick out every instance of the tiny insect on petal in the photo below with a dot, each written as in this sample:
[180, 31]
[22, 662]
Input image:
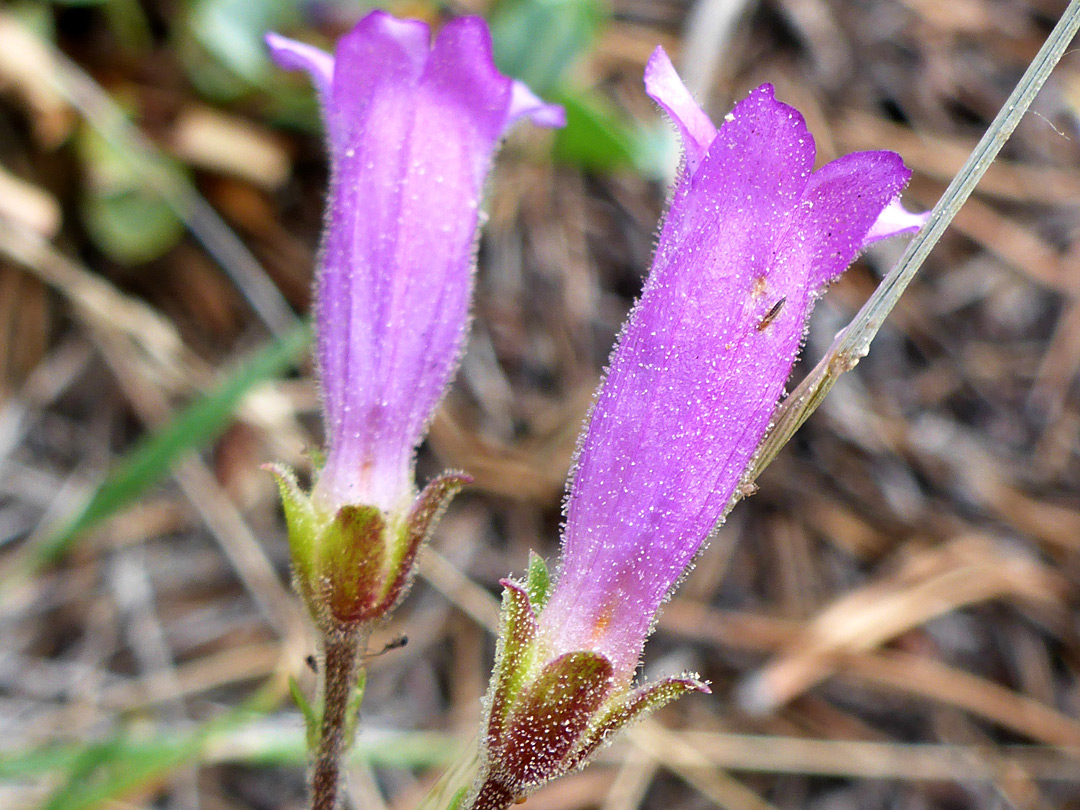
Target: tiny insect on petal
[771, 315]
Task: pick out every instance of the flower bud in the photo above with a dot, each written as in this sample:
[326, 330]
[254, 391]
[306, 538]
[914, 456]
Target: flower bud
[548, 714]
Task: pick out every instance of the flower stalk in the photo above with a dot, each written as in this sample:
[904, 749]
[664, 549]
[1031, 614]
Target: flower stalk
[340, 666]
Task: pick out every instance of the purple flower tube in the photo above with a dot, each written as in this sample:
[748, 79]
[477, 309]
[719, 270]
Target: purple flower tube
[411, 128]
[751, 238]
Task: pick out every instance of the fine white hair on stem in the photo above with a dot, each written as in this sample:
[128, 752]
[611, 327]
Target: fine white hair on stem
[853, 343]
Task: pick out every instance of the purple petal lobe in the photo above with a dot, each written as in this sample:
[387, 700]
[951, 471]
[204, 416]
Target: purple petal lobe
[665, 87]
[380, 58]
[293, 55]
[524, 103]
[893, 221]
[750, 239]
[841, 204]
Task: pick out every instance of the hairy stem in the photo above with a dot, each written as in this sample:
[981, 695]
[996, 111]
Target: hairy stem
[339, 672]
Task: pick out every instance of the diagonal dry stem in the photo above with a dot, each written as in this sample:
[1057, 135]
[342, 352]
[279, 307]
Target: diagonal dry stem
[853, 343]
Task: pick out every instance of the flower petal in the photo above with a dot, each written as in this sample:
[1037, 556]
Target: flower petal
[414, 136]
[293, 55]
[842, 204]
[524, 103]
[412, 129]
[380, 58]
[895, 220]
[745, 248]
[665, 87]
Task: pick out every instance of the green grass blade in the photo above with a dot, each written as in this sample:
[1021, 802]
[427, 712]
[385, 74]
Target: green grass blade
[97, 774]
[196, 426]
[538, 41]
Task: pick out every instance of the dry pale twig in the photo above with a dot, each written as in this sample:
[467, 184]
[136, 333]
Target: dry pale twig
[853, 343]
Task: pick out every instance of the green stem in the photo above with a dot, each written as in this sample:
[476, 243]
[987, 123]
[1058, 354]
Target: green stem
[340, 670]
[853, 343]
[451, 789]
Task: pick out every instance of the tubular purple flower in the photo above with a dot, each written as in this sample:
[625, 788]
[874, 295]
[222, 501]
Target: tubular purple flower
[411, 127]
[751, 238]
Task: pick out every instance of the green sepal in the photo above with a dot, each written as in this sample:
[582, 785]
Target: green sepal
[304, 526]
[352, 555]
[312, 722]
[632, 707]
[416, 529]
[318, 458]
[513, 658]
[458, 798]
[538, 582]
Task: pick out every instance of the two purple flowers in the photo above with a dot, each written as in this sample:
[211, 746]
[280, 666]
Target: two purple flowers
[750, 239]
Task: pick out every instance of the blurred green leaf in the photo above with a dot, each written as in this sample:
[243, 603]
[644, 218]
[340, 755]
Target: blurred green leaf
[221, 43]
[97, 774]
[596, 136]
[197, 425]
[311, 720]
[125, 217]
[538, 41]
[22, 764]
[117, 767]
[34, 16]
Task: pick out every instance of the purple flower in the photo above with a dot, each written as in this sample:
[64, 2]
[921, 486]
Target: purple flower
[412, 127]
[751, 238]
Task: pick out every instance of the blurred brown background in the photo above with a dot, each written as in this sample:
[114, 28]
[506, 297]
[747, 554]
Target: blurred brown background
[889, 623]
